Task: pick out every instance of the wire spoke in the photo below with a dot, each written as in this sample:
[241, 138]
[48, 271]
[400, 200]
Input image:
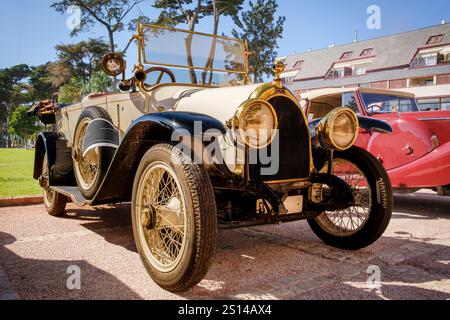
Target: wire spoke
[163, 194]
[352, 219]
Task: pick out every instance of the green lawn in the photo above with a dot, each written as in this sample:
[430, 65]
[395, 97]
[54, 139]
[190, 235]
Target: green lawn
[16, 173]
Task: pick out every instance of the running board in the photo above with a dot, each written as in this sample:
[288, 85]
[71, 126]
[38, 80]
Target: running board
[74, 194]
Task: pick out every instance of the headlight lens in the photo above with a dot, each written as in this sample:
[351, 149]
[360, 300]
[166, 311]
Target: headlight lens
[113, 64]
[339, 129]
[257, 121]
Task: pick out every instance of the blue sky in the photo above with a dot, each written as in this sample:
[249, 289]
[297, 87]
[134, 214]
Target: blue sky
[30, 29]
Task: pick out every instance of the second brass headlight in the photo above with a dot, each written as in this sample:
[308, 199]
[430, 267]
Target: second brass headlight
[338, 130]
[256, 121]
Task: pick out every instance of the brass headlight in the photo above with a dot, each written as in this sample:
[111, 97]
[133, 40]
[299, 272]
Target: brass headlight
[256, 121]
[113, 64]
[338, 130]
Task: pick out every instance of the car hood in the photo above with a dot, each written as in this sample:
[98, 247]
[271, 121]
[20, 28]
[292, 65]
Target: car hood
[219, 103]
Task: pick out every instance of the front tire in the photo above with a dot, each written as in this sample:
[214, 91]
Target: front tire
[361, 225]
[174, 218]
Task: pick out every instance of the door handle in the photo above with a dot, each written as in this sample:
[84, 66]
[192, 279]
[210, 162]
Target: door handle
[408, 150]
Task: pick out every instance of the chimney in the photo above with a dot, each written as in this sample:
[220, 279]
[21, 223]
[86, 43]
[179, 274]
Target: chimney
[356, 36]
[444, 21]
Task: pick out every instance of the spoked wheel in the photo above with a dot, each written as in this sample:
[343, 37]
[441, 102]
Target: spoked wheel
[54, 202]
[366, 220]
[86, 167]
[90, 168]
[351, 220]
[174, 218]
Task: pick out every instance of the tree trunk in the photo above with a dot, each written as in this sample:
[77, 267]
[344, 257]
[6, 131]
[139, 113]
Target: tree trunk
[189, 51]
[210, 62]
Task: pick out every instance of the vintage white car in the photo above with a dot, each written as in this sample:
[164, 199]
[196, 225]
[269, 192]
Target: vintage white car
[204, 150]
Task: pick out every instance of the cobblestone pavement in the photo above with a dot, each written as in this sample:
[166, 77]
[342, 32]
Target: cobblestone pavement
[268, 262]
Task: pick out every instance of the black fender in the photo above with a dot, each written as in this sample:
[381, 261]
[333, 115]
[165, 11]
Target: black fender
[143, 134]
[366, 123]
[59, 158]
[45, 145]
[100, 133]
[374, 125]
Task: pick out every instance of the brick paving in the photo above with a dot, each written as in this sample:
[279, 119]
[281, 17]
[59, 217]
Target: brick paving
[267, 262]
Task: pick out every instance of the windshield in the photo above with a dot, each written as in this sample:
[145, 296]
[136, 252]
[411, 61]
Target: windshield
[196, 58]
[381, 103]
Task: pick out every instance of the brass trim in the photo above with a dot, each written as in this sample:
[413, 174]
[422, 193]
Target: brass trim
[278, 69]
[326, 125]
[269, 91]
[192, 68]
[241, 111]
[189, 31]
[287, 181]
[110, 56]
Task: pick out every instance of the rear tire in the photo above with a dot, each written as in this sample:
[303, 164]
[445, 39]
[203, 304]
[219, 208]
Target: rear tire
[54, 202]
[174, 218]
[368, 225]
[90, 170]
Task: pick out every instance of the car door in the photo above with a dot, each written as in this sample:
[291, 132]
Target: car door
[411, 139]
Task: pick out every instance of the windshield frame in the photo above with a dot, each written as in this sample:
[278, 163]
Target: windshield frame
[414, 108]
[142, 50]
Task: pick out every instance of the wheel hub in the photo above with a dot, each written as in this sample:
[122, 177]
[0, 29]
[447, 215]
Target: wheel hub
[43, 182]
[148, 218]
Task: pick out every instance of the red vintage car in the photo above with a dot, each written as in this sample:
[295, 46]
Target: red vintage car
[416, 155]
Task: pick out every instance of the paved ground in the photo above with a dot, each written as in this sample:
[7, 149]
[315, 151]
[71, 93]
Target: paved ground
[270, 262]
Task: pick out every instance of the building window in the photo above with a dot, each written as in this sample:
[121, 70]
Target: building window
[434, 104]
[346, 55]
[288, 80]
[429, 104]
[435, 39]
[340, 73]
[360, 71]
[445, 104]
[366, 52]
[429, 82]
[298, 64]
[422, 82]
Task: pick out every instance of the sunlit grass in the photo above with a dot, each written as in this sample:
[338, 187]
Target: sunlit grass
[16, 173]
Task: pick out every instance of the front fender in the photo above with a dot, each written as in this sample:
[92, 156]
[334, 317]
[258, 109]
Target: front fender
[374, 125]
[143, 134]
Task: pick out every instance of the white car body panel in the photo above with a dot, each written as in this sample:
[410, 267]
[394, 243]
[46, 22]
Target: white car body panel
[124, 108]
[219, 103]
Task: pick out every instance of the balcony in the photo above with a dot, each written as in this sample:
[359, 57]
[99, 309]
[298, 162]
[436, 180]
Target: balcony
[346, 72]
[430, 62]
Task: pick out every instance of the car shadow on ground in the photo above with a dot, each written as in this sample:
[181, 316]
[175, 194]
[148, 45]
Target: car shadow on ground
[268, 262]
[104, 221]
[47, 279]
[417, 204]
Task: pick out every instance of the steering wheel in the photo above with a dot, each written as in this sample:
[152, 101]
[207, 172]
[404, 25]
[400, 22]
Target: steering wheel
[162, 72]
[374, 108]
